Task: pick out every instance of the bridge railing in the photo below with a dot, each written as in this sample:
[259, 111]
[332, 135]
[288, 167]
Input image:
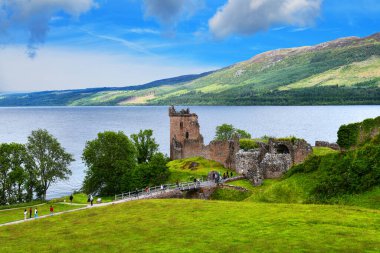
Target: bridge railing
[138, 193]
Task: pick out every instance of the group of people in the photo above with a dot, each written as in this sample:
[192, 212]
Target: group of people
[36, 212]
[227, 175]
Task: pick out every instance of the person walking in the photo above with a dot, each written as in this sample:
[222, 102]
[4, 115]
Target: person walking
[30, 213]
[25, 213]
[51, 211]
[91, 199]
[35, 213]
[71, 198]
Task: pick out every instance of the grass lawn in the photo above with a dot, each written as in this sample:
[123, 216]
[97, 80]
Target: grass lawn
[181, 169]
[18, 214]
[200, 226]
[81, 198]
[321, 151]
[290, 190]
[230, 195]
[245, 183]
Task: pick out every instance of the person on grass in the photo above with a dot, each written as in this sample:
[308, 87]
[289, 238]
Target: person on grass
[51, 210]
[25, 213]
[35, 213]
[30, 213]
[71, 198]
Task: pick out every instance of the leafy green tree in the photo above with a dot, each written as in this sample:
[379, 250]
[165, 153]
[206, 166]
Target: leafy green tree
[13, 173]
[153, 173]
[228, 132]
[110, 158]
[49, 160]
[243, 134]
[145, 144]
[224, 132]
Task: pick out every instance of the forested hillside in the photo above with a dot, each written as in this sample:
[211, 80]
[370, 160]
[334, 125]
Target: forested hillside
[344, 71]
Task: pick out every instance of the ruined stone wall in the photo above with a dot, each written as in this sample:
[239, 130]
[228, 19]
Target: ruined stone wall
[275, 165]
[186, 140]
[272, 160]
[327, 145]
[222, 152]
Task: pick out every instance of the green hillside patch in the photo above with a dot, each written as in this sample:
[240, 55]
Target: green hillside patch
[230, 194]
[186, 170]
[321, 151]
[348, 75]
[199, 226]
[295, 189]
[43, 209]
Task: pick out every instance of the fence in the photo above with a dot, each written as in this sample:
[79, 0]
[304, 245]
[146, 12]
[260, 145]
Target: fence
[139, 193]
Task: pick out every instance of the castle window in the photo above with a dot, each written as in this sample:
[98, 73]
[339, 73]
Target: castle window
[181, 125]
[187, 135]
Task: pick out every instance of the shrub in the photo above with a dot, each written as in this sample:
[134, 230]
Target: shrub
[248, 144]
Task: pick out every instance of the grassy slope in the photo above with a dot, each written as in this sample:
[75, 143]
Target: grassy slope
[199, 226]
[180, 169]
[18, 214]
[308, 75]
[348, 75]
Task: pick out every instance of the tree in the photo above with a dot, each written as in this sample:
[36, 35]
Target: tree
[109, 159]
[145, 144]
[228, 132]
[243, 134]
[153, 173]
[49, 160]
[13, 172]
[224, 132]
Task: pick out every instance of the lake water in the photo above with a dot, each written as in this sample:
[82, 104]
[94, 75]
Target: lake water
[73, 126]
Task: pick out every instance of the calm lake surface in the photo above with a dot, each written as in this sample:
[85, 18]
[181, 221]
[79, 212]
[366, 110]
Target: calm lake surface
[73, 126]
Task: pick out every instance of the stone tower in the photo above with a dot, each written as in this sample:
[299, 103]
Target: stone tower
[185, 138]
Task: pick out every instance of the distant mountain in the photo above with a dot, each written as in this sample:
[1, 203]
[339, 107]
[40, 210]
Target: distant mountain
[343, 71]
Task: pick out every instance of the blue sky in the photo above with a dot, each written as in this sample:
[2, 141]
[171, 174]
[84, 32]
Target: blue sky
[66, 44]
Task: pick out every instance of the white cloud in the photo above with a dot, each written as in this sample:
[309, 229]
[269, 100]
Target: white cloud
[250, 16]
[169, 12]
[34, 16]
[67, 68]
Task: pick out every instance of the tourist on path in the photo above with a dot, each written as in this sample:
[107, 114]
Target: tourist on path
[91, 199]
[25, 213]
[35, 213]
[51, 210]
[71, 198]
[30, 213]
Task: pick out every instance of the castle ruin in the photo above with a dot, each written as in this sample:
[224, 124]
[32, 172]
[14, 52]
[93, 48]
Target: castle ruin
[270, 160]
[186, 140]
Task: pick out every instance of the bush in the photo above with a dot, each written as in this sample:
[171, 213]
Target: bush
[248, 144]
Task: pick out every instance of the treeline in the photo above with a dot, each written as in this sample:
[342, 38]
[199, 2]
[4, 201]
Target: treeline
[29, 170]
[348, 172]
[119, 164]
[327, 95]
[355, 134]
[115, 162]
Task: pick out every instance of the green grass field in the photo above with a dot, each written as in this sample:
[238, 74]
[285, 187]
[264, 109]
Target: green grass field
[200, 226]
[43, 209]
[180, 169]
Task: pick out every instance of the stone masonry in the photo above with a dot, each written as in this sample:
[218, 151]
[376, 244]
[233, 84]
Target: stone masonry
[271, 160]
[186, 140]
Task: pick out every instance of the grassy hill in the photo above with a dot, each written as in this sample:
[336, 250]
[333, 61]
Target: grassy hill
[343, 71]
[200, 226]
